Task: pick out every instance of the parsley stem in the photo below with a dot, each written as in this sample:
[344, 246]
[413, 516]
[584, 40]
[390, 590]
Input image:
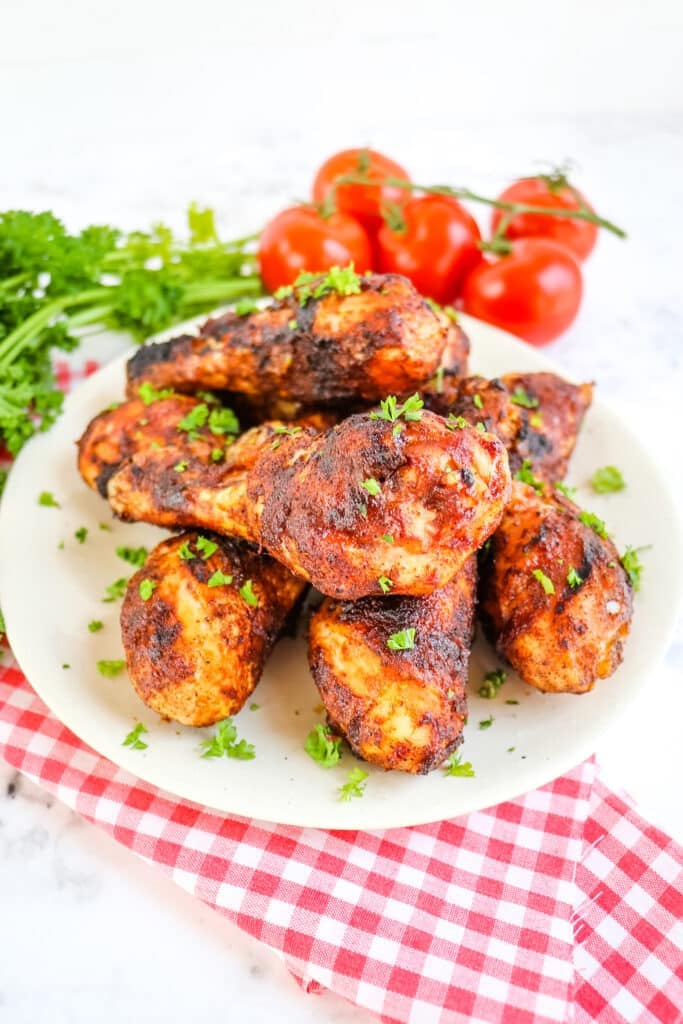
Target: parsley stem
[22, 334]
[500, 204]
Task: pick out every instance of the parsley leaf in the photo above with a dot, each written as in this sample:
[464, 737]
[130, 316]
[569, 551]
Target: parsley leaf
[185, 552]
[115, 590]
[492, 683]
[219, 579]
[48, 500]
[245, 306]
[388, 538]
[525, 475]
[461, 769]
[385, 584]
[147, 588]
[181, 466]
[133, 740]
[404, 640]
[111, 668]
[148, 394]
[520, 397]
[247, 594]
[607, 479]
[486, 723]
[288, 431]
[478, 403]
[223, 421]
[323, 746]
[573, 578]
[568, 492]
[545, 581]
[206, 547]
[454, 422]
[134, 556]
[595, 522]
[194, 420]
[390, 410]
[224, 743]
[354, 786]
[632, 564]
[342, 280]
[371, 486]
[95, 626]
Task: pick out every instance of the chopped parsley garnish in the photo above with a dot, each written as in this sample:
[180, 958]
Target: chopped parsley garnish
[481, 428]
[181, 466]
[323, 746]
[478, 403]
[446, 310]
[454, 422]
[595, 522]
[48, 500]
[143, 423]
[147, 588]
[95, 626]
[390, 410]
[66, 665]
[492, 683]
[148, 394]
[134, 556]
[486, 723]
[363, 509]
[404, 640]
[283, 291]
[133, 740]
[217, 454]
[223, 421]
[245, 306]
[536, 421]
[185, 552]
[105, 526]
[247, 594]
[115, 590]
[288, 431]
[81, 533]
[512, 702]
[526, 476]
[607, 479]
[219, 579]
[292, 325]
[206, 547]
[565, 489]
[438, 380]
[354, 786]
[224, 743]
[632, 564]
[371, 486]
[520, 397]
[573, 578]
[194, 420]
[385, 583]
[342, 280]
[388, 538]
[254, 706]
[461, 769]
[111, 668]
[545, 581]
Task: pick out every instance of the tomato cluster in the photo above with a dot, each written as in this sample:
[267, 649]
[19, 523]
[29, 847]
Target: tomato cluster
[527, 279]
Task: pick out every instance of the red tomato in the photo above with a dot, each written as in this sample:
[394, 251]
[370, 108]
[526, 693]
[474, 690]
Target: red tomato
[436, 249]
[364, 202]
[534, 292]
[300, 239]
[578, 235]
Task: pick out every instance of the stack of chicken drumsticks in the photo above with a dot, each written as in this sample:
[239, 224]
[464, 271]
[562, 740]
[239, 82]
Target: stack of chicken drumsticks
[376, 470]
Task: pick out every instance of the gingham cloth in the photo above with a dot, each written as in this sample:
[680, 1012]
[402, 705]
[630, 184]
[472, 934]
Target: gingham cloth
[562, 905]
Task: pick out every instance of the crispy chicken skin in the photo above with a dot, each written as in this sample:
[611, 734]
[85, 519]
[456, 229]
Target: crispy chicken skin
[564, 641]
[545, 434]
[116, 434]
[194, 652]
[398, 709]
[326, 503]
[384, 340]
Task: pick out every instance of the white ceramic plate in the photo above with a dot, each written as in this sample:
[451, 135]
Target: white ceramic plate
[49, 595]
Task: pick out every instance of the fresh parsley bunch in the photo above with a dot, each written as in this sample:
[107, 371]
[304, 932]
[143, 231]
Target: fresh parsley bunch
[53, 284]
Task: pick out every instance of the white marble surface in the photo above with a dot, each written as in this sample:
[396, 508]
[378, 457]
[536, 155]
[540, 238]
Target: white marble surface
[112, 116]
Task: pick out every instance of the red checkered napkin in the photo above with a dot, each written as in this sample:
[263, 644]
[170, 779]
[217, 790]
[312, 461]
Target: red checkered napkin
[559, 906]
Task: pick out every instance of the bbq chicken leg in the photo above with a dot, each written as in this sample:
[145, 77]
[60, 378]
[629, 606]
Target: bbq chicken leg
[554, 597]
[401, 709]
[378, 337]
[367, 500]
[196, 650]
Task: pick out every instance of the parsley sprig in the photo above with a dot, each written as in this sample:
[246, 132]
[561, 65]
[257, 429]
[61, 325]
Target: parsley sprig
[322, 746]
[224, 743]
[461, 769]
[354, 786]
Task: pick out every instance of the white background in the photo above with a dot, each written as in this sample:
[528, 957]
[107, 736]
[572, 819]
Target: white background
[126, 112]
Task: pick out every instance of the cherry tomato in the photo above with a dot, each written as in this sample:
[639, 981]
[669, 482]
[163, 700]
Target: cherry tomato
[300, 239]
[364, 202]
[534, 292]
[437, 247]
[555, 193]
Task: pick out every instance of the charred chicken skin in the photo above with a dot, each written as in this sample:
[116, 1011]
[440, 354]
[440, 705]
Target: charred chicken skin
[195, 651]
[537, 416]
[382, 339]
[565, 627]
[400, 709]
